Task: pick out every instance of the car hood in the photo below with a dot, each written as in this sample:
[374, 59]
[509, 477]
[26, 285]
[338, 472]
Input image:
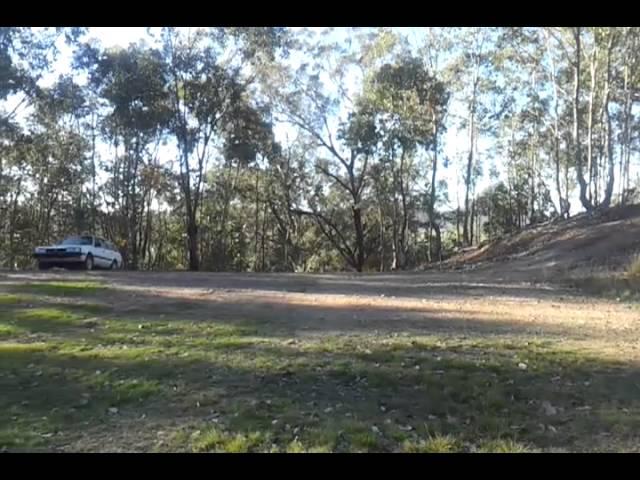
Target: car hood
[59, 245]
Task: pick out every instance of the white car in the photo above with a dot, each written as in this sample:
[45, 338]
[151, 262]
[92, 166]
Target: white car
[86, 251]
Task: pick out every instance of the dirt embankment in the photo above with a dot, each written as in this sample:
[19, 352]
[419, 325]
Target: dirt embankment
[586, 243]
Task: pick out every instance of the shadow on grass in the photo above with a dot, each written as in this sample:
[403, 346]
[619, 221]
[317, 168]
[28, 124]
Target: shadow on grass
[331, 395]
[233, 382]
[58, 288]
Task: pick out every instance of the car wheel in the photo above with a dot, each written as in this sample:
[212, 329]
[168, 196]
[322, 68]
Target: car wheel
[88, 263]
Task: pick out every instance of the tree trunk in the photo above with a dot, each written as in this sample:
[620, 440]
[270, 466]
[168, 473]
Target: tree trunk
[577, 123]
[357, 222]
[592, 89]
[432, 199]
[465, 227]
[192, 234]
[606, 201]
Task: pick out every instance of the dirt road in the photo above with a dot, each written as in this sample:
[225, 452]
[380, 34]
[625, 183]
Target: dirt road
[479, 303]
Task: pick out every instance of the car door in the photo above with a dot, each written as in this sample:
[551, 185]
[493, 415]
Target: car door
[101, 255]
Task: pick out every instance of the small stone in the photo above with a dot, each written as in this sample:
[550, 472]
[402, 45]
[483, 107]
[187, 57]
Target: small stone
[417, 367]
[549, 409]
[328, 410]
[522, 366]
[275, 421]
[375, 430]
[113, 410]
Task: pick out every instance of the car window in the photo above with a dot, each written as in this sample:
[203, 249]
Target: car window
[83, 240]
[98, 243]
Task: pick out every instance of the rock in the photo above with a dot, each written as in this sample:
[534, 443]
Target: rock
[113, 410]
[522, 366]
[375, 430]
[328, 410]
[549, 409]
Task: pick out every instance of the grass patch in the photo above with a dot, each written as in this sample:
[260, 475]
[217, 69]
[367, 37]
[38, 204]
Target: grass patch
[503, 446]
[43, 319]
[9, 299]
[64, 289]
[434, 444]
[8, 330]
[330, 393]
[216, 440]
[633, 270]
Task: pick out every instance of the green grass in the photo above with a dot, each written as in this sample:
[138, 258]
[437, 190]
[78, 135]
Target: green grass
[435, 444]
[220, 385]
[503, 446]
[215, 440]
[9, 299]
[68, 289]
[8, 330]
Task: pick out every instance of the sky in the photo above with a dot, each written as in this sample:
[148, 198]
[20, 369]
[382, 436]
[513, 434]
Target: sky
[455, 140]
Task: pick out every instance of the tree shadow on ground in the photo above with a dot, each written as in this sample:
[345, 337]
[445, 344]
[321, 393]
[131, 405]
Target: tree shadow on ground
[167, 372]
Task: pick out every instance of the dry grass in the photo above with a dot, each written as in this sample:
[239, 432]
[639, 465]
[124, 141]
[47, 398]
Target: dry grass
[633, 271]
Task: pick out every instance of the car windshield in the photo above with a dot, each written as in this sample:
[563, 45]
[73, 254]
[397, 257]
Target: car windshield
[78, 241]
